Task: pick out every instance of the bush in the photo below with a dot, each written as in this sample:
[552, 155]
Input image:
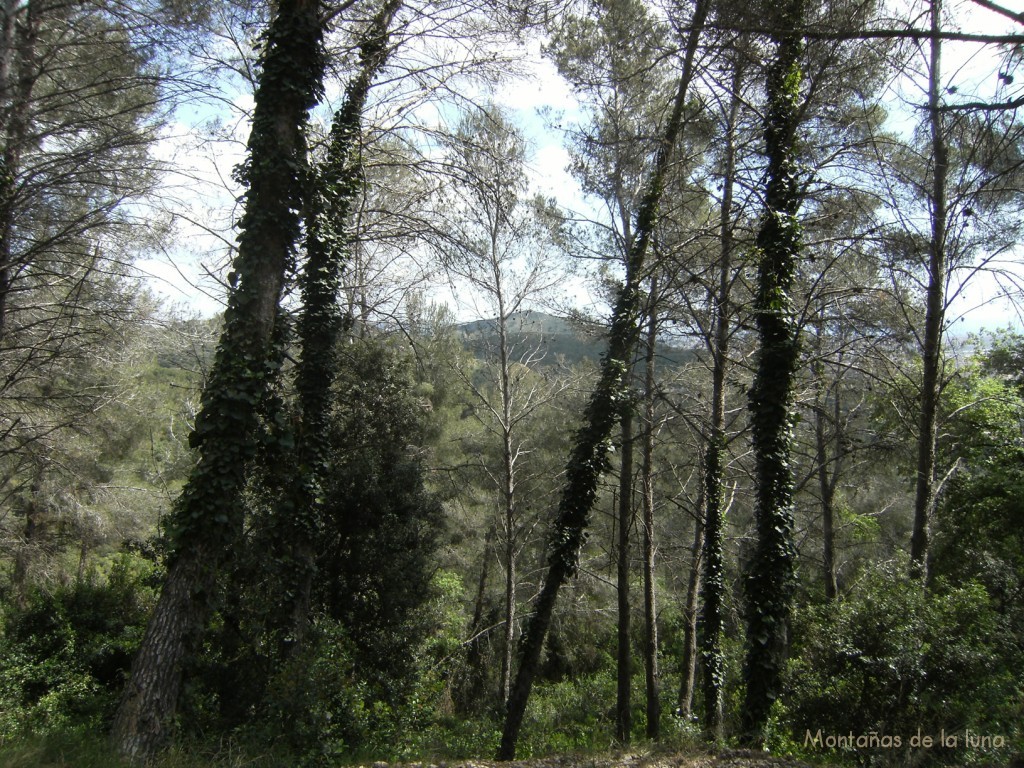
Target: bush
[325, 704]
[894, 659]
[64, 654]
[572, 715]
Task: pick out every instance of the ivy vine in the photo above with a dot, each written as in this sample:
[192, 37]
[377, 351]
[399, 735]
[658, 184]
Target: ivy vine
[770, 580]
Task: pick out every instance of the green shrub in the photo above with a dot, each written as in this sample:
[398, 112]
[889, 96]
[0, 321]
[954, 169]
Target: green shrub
[895, 659]
[64, 654]
[326, 704]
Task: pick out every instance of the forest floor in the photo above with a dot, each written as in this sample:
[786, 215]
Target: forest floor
[725, 759]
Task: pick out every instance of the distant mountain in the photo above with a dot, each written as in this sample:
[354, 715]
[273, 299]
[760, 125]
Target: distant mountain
[549, 339]
[529, 321]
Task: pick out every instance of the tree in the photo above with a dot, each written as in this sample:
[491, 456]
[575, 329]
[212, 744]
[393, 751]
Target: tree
[78, 100]
[208, 514]
[979, 516]
[931, 342]
[588, 457]
[498, 241]
[376, 546]
[78, 117]
[625, 514]
[104, 475]
[946, 191]
[615, 59]
[770, 577]
[715, 450]
[651, 673]
[329, 242]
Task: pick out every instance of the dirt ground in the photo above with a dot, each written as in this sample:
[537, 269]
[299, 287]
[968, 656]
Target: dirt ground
[725, 759]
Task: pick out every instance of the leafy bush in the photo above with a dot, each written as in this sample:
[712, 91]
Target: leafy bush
[572, 715]
[326, 704]
[64, 654]
[896, 659]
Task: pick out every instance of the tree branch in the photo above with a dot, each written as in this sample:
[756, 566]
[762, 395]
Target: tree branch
[1017, 17]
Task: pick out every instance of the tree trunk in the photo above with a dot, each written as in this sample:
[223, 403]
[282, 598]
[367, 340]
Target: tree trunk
[18, 75]
[150, 699]
[321, 324]
[208, 516]
[690, 612]
[471, 688]
[508, 647]
[826, 490]
[827, 470]
[713, 532]
[29, 544]
[770, 579]
[508, 469]
[624, 666]
[651, 678]
[589, 453]
[931, 352]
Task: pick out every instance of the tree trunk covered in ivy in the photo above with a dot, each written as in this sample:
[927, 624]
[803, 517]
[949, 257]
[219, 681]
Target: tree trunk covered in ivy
[208, 516]
[931, 352]
[320, 324]
[589, 456]
[770, 577]
[712, 655]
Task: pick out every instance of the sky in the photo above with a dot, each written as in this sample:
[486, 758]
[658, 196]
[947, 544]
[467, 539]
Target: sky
[972, 73]
[203, 200]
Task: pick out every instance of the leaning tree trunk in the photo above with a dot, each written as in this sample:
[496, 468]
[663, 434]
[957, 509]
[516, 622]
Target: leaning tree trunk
[589, 457]
[771, 575]
[208, 516]
[931, 352]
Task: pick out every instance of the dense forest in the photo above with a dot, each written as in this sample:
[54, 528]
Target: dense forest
[710, 439]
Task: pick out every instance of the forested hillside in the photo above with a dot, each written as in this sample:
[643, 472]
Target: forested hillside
[701, 446]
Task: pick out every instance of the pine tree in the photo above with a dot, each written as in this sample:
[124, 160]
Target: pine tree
[208, 517]
[588, 458]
